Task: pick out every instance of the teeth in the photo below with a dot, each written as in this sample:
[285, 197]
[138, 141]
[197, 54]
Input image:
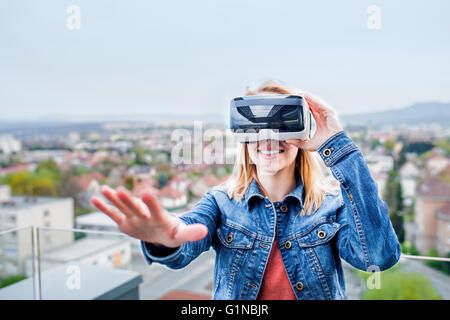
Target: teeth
[270, 152]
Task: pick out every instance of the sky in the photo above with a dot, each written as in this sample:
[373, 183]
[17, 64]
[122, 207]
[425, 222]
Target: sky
[194, 56]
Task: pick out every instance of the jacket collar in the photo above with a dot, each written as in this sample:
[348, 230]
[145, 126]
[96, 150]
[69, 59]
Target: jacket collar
[253, 191]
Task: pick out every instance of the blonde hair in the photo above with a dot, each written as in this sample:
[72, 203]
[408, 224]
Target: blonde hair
[314, 181]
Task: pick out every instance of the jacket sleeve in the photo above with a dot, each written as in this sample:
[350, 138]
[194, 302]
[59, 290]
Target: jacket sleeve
[366, 239]
[205, 212]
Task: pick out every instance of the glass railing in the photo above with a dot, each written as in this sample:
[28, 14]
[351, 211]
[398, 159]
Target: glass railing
[18, 269]
[80, 264]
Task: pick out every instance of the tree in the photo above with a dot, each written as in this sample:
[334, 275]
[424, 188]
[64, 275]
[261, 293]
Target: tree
[439, 265]
[163, 178]
[389, 145]
[374, 143]
[444, 144]
[43, 187]
[20, 182]
[139, 155]
[129, 183]
[49, 169]
[394, 199]
[31, 184]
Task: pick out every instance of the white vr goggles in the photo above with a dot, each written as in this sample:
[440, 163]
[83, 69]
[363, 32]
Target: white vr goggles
[270, 117]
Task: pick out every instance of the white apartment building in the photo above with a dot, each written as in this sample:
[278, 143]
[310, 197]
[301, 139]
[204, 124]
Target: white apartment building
[8, 144]
[96, 221]
[379, 163]
[24, 211]
[5, 193]
[105, 251]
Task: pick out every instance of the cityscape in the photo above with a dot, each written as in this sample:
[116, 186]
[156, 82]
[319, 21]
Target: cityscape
[48, 179]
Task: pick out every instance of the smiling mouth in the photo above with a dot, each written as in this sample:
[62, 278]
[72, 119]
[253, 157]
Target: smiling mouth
[270, 152]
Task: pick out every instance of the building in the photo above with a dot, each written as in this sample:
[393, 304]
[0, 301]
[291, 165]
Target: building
[433, 195]
[24, 211]
[5, 193]
[145, 187]
[379, 163]
[18, 167]
[106, 251]
[9, 145]
[90, 184]
[409, 174]
[436, 162]
[203, 184]
[99, 221]
[142, 172]
[179, 183]
[96, 221]
[443, 230]
[380, 179]
[171, 198]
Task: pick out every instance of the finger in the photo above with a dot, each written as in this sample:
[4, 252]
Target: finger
[111, 195]
[316, 103]
[296, 142]
[131, 203]
[109, 210]
[152, 204]
[191, 232]
[317, 117]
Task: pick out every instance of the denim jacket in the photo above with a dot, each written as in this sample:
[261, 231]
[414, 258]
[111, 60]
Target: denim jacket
[352, 224]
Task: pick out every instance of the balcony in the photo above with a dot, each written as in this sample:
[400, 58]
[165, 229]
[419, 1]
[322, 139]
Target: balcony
[49, 263]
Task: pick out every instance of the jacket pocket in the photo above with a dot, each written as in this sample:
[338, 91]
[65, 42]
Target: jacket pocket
[319, 247]
[235, 247]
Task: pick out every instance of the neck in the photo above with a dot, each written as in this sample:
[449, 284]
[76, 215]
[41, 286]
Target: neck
[278, 185]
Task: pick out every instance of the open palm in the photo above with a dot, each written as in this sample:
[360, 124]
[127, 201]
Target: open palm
[144, 219]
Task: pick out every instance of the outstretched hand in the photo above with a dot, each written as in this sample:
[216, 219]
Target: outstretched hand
[144, 219]
[327, 123]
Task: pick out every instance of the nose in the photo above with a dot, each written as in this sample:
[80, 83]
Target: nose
[269, 144]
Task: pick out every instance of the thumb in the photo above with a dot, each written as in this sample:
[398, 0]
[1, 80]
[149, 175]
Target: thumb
[191, 232]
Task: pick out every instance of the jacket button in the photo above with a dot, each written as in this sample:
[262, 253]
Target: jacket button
[229, 238]
[287, 245]
[321, 234]
[284, 208]
[299, 286]
[327, 152]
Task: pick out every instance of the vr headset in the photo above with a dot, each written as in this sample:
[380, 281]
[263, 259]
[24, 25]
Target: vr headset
[270, 117]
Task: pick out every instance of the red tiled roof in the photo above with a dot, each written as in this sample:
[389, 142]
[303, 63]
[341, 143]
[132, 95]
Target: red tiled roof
[210, 180]
[16, 167]
[143, 187]
[150, 181]
[169, 192]
[434, 187]
[177, 178]
[85, 180]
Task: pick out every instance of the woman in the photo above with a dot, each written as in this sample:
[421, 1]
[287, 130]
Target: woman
[278, 228]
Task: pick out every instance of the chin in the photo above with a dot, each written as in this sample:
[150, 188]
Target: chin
[269, 169]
